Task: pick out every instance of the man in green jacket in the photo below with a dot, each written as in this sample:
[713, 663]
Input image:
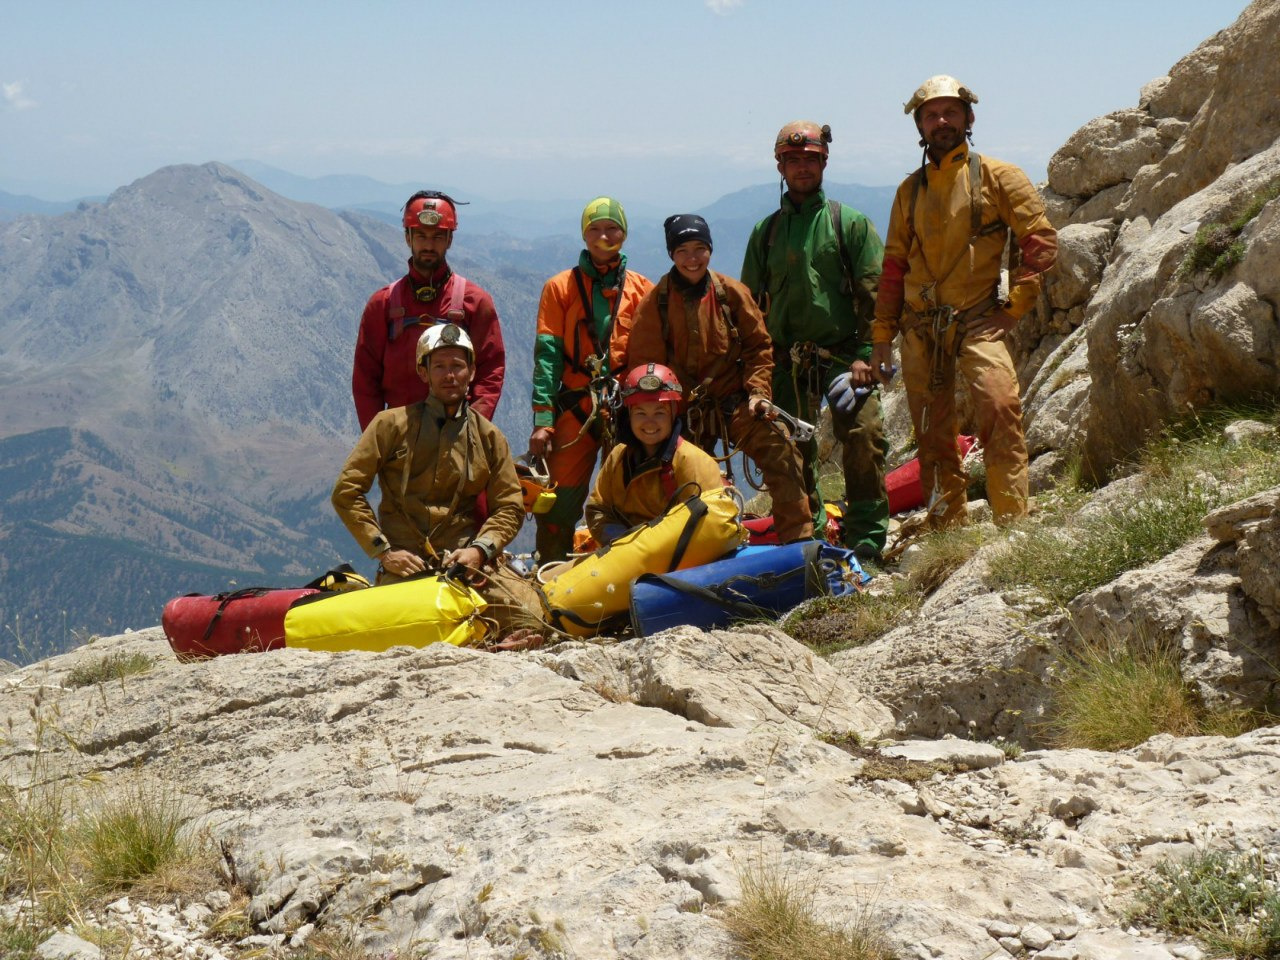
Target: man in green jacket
[814, 266]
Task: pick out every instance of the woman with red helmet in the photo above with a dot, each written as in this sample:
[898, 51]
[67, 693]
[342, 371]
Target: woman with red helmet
[653, 465]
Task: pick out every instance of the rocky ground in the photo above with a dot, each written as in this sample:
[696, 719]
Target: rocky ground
[601, 801]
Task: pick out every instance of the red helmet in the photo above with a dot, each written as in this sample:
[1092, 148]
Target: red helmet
[649, 382]
[802, 136]
[430, 211]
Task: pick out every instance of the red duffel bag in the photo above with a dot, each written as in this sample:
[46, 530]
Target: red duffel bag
[240, 621]
[903, 484]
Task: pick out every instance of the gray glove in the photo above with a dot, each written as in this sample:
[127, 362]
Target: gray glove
[841, 395]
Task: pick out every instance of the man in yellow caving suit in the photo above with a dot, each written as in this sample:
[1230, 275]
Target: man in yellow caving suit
[433, 460]
[940, 289]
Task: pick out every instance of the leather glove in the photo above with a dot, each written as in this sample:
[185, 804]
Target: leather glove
[841, 396]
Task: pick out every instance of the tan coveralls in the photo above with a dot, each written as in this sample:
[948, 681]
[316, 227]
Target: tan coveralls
[937, 262]
[431, 469]
[630, 490]
[725, 365]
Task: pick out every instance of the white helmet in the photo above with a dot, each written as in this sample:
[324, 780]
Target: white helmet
[444, 335]
[939, 86]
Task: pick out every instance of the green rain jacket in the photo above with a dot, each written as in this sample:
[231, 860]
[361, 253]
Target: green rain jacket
[804, 300]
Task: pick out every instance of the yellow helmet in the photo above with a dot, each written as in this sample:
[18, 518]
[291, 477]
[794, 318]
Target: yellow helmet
[939, 86]
[802, 136]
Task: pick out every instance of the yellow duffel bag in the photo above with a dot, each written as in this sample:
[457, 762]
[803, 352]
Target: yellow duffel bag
[412, 613]
[581, 599]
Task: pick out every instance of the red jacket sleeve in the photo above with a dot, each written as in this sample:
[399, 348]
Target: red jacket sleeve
[366, 372]
[491, 354]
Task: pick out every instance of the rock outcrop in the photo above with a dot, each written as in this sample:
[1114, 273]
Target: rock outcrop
[1128, 192]
[977, 662]
[602, 800]
[487, 805]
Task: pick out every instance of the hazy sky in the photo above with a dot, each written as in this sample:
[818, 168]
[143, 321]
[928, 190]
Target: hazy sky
[672, 102]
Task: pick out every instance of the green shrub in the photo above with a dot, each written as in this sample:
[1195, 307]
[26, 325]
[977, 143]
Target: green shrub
[1188, 472]
[776, 918]
[110, 666]
[828, 625]
[1228, 901]
[1217, 247]
[135, 834]
[1113, 695]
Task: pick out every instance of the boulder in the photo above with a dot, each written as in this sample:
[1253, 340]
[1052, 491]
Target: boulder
[755, 675]
[1253, 527]
[1194, 600]
[1159, 345]
[1104, 152]
[964, 665]
[1234, 76]
[1082, 257]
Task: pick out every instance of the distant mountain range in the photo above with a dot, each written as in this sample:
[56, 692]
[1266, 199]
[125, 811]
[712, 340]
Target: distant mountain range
[176, 374]
[13, 205]
[552, 224]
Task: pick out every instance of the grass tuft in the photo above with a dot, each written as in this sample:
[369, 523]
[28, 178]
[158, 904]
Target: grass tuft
[777, 918]
[941, 554]
[1117, 692]
[137, 837]
[828, 625]
[111, 666]
[880, 766]
[1114, 695]
[1184, 475]
[1229, 901]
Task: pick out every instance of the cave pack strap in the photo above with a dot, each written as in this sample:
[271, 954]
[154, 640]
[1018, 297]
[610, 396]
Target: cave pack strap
[225, 600]
[735, 594]
[976, 228]
[338, 579]
[697, 511]
[734, 353]
[400, 303]
[846, 264]
[600, 353]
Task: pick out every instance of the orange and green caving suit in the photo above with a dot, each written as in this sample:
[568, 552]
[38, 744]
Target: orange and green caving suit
[582, 315]
[721, 352]
[937, 261]
[808, 303]
[632, 489]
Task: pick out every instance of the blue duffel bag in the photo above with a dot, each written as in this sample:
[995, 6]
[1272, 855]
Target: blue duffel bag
[757, 582]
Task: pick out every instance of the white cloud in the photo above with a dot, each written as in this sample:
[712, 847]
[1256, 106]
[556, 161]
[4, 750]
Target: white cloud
[723, 7]
[14, 96]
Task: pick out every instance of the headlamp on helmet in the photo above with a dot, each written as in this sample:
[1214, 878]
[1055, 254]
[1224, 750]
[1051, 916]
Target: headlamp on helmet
[444, 335]
[649, 383]
[431, 208]
[802, 136]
